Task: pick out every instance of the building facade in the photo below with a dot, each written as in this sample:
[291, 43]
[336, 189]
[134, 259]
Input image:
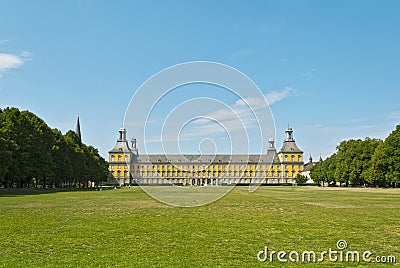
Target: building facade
[307, 169]
[127, 166]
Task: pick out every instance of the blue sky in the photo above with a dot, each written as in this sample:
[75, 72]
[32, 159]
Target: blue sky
[331, 67]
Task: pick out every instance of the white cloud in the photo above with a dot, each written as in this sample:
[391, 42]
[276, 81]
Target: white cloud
[277, 95]
[243, 114]
[9, 62]
[244, 108]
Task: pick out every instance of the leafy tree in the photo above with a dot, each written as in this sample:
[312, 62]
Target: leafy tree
[31, 153]
[354, 160]
[87, 164]
[324, 171]
[5, 149]
[77, 158]
[392, 154]
[331, 163]
[96, 165]
[385, 163]
[42, 140]
[61, 159]
[301, 179]
[16, 129]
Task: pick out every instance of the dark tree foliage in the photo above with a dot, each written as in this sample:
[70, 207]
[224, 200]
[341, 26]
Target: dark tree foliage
[301, 179]
[32, 154]
[324, 171]
[6, 148]
[385, 163]
[354, 160]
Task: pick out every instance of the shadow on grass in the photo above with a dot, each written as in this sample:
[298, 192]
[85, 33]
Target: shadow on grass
[10, 192]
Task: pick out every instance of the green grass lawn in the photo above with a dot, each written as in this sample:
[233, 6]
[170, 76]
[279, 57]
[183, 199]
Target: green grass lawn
[127, 228]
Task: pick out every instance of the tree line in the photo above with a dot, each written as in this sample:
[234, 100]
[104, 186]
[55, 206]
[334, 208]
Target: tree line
[32, 154]
[368, 162]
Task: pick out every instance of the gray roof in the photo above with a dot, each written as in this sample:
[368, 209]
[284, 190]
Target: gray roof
[207, 159]
[121, 147]
[308, 166]
[290, 147]
[272, 153]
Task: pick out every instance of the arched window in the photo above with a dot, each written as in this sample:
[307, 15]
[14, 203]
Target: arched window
[112, 158]
[292, 158]
[119, 158]
[286, 158]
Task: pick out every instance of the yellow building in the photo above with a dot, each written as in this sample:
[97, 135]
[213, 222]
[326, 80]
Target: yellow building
[290, 156]
[120, 158]
[128, 166]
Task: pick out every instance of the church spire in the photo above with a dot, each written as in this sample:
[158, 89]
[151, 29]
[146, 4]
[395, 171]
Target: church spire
[78, 130]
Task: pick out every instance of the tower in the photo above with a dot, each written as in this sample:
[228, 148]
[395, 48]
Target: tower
[289, 134]
[271, 143]
[120, 160]
[290, 156]
[272, 155]
[122, 135]
[273, 160]
[78, 130]
[133, 145]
